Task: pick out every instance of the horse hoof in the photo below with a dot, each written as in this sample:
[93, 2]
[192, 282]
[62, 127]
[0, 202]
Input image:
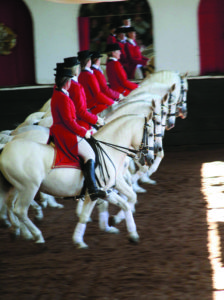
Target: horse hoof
[112, 229]
[146, 179]
[133, 238]
[82, 245]
[60, 206]
[39, 217]
[39, 240]
[139, 190]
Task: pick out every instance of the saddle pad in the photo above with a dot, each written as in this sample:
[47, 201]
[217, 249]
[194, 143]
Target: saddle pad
[61, 160]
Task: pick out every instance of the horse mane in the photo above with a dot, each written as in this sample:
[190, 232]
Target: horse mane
[118, 121]
[163, 76]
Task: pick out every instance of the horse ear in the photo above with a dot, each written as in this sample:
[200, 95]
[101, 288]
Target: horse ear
[172, 87]
[165, 98]
[150, 116]
[153, 104]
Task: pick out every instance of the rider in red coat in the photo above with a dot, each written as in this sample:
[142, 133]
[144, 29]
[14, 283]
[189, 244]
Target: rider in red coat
[135, 59]
[96, 100]
[96, 59]
[77, 94]
[116, 74]
[121, 40]
[112, 36]
[68, 134]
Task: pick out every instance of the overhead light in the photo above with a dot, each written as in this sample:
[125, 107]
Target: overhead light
[84, 1]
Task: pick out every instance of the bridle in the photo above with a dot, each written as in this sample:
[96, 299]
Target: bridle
[139, 154]
[143, 148]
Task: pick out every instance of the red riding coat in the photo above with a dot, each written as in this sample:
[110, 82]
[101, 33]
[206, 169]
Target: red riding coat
[117, 78]
[77, 94]
[65, 128]
[134, 57]
[103, 84]
[111, 39]
[95, 99]
[123, 59]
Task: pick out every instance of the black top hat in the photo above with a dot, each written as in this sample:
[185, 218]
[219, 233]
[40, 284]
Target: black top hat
[96, 54]
[126, 17]
[112, 47]
[130, 29]
[121, 30]
[70, 62]
[59, 65]
[84, 54]
[62, 71]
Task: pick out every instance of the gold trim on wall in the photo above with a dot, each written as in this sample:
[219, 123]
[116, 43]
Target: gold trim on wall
[7, 39]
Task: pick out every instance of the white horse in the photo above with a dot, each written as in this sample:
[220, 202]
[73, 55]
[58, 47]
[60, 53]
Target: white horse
[27, 166]
[40, 134]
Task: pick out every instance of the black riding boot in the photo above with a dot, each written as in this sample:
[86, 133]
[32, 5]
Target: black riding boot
[89, 173]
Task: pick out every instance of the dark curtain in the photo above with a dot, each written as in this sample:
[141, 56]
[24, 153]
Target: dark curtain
[17, 68]
[211, 36]
[83, 27]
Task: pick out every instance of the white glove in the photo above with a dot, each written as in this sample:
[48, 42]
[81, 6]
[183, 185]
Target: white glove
[88, 134]
[100, 121]
[121, 97]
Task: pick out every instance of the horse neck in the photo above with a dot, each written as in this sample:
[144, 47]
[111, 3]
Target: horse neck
[124, 131]
[137, 107]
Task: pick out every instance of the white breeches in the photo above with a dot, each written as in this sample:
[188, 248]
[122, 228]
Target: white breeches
[138, 73]
[85, 150]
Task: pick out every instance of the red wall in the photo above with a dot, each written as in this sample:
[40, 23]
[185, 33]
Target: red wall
[17, 68]
[211, 36]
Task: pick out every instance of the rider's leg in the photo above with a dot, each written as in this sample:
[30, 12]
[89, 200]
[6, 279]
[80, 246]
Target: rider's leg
[88, 155]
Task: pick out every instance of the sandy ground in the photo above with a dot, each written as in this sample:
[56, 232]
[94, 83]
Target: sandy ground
[170, 262]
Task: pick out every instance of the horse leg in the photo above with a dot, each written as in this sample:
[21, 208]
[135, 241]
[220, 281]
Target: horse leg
[153, 168]
[4, 221]
[21, 211]
[135, 177]
[80, 228]
[47, 200]
[10, 202]
[104, 216]
[17, 229]
[4, 190]
[130, 223]
[126, 190]
[79, 207]
[38, 210]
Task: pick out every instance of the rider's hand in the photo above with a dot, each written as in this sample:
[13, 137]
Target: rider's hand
[100, 121]
[121, 97]
[88, 134]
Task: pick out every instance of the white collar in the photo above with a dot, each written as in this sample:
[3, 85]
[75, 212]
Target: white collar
[113, 58]
[88, 69]
[65, 91]
[131, 41]
[75, 78]
[97, 67]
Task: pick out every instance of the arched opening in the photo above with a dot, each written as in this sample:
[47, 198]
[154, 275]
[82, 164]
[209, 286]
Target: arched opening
[95, 21]
[211, 36]
[17, 58]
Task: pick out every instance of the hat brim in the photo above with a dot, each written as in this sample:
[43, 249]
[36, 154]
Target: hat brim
[64, 75]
